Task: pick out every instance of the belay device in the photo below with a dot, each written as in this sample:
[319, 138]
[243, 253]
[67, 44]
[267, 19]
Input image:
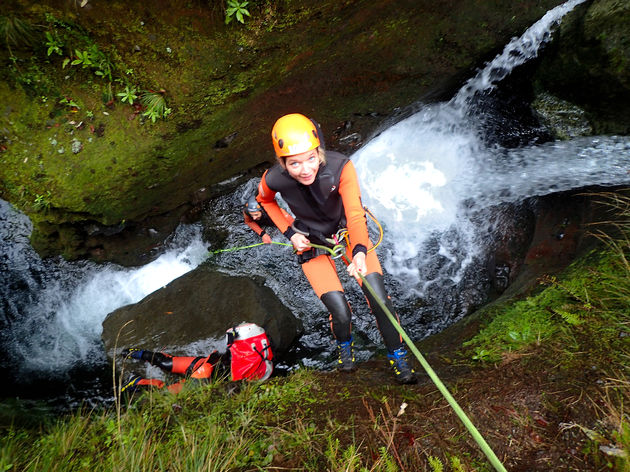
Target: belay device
[250, 352]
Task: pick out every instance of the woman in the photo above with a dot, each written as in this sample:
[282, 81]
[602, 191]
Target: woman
[322, 190]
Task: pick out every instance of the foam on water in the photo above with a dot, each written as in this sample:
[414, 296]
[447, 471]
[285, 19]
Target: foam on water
[62, 326]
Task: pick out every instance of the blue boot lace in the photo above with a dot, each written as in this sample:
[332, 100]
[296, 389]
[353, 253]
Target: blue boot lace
[400, 365]
[345, 351]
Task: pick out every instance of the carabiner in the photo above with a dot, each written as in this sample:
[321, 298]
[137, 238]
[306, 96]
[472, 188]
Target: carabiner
[337, 251]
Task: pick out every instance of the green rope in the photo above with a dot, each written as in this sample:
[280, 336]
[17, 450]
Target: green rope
[336, 252]
[246, 247]
[494, 460]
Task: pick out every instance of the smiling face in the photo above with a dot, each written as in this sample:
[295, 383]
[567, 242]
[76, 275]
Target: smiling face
[303, 167]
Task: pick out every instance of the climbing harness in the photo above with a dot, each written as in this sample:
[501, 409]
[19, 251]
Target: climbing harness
[338, 242]
[494, 460]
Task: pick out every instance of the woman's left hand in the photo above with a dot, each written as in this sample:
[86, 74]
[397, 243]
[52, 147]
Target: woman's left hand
[357, 266]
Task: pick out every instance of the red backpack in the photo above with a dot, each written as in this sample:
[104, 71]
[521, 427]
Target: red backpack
[250, 352]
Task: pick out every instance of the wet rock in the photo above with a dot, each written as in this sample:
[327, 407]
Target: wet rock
[225, 141]
[198, 308]
[564, 119]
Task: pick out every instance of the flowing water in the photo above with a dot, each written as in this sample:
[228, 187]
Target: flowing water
[431, 179]
[52, 309]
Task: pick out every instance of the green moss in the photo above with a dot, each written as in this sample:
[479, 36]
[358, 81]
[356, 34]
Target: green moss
[566, 309]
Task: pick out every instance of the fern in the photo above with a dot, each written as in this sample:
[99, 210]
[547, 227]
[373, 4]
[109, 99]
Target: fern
[568, 317]
[436, 464]
[389, 461]
[456, 464]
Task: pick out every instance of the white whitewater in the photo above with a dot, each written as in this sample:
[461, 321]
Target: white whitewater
[59, 323]
[423, 178]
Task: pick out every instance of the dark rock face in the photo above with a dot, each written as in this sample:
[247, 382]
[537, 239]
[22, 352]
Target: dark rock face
[588, 64]
[197, 307]
[543, 237]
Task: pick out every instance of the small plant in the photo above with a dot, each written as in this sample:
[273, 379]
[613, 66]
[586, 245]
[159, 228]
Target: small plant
[436, 464]
[42, 202]
[67, 101]
[483, 355]
[236, 8]
[53, 44]
[155, 105]
[128, 95]
[15, 32]
[92, 58]
[83, 59]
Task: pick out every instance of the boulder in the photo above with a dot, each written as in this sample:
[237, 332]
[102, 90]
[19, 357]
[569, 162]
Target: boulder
[193, 312]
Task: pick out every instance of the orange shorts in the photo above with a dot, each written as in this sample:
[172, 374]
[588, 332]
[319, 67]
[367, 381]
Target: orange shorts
[321, 272]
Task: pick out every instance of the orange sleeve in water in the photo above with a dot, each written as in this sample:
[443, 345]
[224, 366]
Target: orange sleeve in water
[249, 221]
[267, 198]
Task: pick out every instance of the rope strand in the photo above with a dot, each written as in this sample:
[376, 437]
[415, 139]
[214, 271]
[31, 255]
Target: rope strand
[494, 460]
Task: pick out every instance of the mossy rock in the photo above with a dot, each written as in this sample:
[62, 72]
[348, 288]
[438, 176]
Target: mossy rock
[589, 64]
[73, 154]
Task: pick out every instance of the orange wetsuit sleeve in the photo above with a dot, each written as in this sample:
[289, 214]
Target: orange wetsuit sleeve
[267, 198]
[249, 221]
[355, 214]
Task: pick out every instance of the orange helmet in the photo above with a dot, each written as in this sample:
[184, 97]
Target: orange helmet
[293, 134]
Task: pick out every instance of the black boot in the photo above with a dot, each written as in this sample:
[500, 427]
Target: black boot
[345, 350]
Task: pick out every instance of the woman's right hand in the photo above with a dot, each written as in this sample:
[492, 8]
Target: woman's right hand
[300, 242]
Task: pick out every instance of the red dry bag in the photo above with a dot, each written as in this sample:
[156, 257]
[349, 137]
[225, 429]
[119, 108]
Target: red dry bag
[250, 352]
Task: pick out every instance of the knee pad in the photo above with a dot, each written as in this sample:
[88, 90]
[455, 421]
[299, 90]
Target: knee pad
[391, 337]
[376, 282]
[340, 312]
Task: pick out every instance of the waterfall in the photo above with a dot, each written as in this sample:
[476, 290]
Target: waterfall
[53, 309]
[426, 179]
[428, 175]
[517, 52]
